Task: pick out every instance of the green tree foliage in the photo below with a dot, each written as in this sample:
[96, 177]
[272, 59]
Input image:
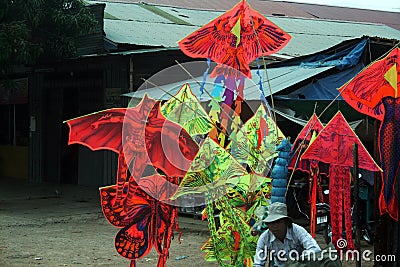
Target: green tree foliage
[34, 31]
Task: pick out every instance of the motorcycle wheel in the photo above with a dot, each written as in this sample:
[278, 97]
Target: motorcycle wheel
[368, 236]
[327, 233]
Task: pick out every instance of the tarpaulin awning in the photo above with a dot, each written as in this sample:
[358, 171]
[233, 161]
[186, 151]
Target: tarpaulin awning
[279, 79]
[347, 63]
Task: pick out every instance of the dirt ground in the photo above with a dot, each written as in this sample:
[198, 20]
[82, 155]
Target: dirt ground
[62, 225]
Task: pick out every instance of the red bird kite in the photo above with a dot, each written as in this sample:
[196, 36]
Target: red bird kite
[235, 39]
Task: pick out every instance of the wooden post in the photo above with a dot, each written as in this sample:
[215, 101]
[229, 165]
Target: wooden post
[356, 214]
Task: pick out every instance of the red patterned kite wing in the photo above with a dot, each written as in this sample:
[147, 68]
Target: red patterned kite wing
[103, 129]
[314, 124]
[313, 127]
[100, 130]
[236, 38]
[334, 145]
[166, 145]
[141, 133]
[366, 90]
[135, 240]
[116, 216]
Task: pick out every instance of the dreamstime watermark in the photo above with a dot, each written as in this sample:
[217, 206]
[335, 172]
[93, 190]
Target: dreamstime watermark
[365, 255]
[329, 253]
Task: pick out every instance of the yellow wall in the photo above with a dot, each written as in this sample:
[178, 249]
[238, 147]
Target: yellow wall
[14, 161]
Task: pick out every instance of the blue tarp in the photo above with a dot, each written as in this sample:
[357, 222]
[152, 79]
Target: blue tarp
[324, 88]
[347, 64]
[343, 59]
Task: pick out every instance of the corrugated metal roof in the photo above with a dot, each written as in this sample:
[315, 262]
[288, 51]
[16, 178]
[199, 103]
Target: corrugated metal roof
[313, 35]
[131, 52]
[128, 12]
[392, 19]
[146, 33]
[279, 79]
[287, 8]
[193, 16]
[139, 26]
[264, 7]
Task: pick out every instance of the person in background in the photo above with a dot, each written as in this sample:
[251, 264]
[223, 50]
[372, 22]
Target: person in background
[283, 239]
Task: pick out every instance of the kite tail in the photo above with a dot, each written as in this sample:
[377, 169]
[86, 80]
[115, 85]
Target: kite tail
[162, 260]
[348, 224]
[133, 263]
[121, 178]
[238, 232]
[230, 88]
[213, 229]
[176, 226]
[339, 195]
[390, 207]
[224, 124]
[390, 155]
[236, 237]
[313, 210]
[336, 200]
[163, 257]
[204, 78]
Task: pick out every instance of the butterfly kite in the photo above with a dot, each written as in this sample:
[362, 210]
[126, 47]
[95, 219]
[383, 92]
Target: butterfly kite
[146, 221]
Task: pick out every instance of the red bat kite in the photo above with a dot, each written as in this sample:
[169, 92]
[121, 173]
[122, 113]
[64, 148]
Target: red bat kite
[141, 136]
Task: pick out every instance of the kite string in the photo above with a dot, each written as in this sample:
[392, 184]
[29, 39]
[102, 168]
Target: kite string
[298, 148]
[224, 111]
[215, 125]
[204, 78]
[266, 72]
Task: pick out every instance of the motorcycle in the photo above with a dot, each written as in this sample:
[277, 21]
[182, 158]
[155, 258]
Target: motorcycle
[323, 221]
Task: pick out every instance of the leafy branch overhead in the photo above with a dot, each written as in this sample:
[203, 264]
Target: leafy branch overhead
[33, 31]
